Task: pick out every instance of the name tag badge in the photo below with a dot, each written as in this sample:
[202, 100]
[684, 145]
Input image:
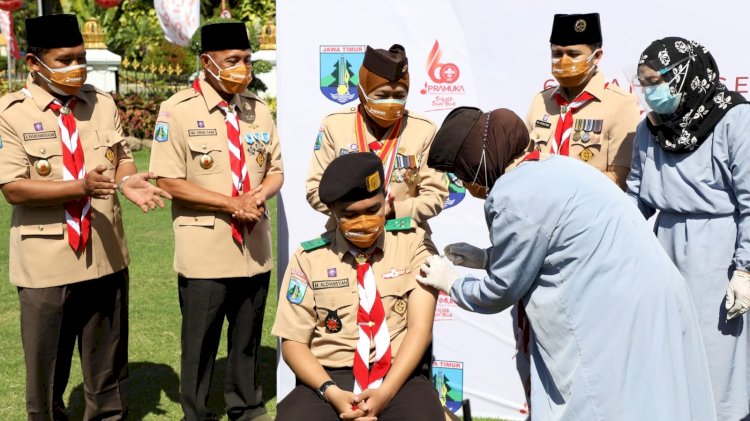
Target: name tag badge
[201, 132]
[333, 283]
[49, 134]
[543, 124]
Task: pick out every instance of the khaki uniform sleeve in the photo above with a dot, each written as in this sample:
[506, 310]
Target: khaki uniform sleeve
[168, 157]
[275, 165]
[531, 117]
[424, 249]
[296, 321]
[320, 159]
[622, 132]
[122, 149]
[431, 192]
[14, 163]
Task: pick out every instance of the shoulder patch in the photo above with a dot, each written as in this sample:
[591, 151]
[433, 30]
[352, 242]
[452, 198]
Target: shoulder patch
[315, 243]
[161, 131]
[296, 292]
[398, 224]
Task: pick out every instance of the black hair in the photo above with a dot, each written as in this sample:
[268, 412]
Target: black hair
[37, 51]
[595, 47]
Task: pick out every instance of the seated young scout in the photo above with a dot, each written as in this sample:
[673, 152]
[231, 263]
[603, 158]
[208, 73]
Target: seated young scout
[354, 322]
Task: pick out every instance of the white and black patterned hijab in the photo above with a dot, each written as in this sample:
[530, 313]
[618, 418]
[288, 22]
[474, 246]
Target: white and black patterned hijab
[705, 100]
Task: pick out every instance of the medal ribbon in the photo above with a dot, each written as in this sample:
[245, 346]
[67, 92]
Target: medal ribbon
[565, 125]
[77, 212]
[240, 179]
[387, 152]
[372, 324]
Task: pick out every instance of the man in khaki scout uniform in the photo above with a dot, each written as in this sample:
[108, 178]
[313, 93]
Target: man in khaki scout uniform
[353, 320]
[585, 117]
[217, 152]
[62, 156]
[381, 124]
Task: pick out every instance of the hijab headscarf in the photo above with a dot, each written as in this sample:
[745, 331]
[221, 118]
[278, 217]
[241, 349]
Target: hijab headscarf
[467, 132]
[705, 99]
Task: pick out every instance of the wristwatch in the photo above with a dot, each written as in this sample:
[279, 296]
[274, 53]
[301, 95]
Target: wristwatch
[323, 387]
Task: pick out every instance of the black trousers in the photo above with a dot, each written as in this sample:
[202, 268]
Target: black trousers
[417, 400]
[94, 313]
[204, 304]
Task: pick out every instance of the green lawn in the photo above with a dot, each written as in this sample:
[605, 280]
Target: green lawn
[154, 327]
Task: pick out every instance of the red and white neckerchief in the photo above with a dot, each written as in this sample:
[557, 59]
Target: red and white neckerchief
[77, 212]
[386, 152]
[240, 179]
[565, 125]
[373, 328]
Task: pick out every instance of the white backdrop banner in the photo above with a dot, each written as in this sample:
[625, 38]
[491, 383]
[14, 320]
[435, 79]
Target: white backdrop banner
[461, 52]
[179, 19]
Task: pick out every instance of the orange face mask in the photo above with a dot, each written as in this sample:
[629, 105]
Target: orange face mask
[235, 79]
[571, 73]
[363, 230]
[385, 112]
[65, 81]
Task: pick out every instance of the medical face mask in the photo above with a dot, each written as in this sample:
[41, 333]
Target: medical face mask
[571, 73]
[363, 230]
[234, 79]
[661, 99]
[384, 111]
[64, 81]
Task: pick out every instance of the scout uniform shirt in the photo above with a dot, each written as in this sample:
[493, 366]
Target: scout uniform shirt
[31, 148]
[191, 143]
[321, 299]
[419, 192]
[603, 129]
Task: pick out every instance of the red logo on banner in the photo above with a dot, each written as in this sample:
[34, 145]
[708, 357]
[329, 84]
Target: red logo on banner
[441, 72]
[444, 77]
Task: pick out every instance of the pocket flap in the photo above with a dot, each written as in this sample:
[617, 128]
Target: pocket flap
[108, 138]
[204, 145]
[43, 148]
[335, 300]
[196, 220]
[397, 287]
[42, 230]
[539, 134]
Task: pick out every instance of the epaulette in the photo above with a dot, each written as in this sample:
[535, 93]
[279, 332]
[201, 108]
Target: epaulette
[250, 95]
[399, 224]
[345, 110]
[315, 243]
[9, 99]
[182, 96]
[416, 116]
[616, 89]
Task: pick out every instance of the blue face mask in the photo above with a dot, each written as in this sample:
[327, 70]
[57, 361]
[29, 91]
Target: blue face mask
[661, 100]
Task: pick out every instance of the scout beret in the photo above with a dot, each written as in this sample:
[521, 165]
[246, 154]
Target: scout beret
[224, 36]
[53, 31]
[576, 29]
[391, 64]
[451, 136]
[351, 177]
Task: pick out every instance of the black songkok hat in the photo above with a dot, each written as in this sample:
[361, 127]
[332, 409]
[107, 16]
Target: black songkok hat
[351, 177]
[449, 139]
[392, 64]
[53, 31]
[576, 29]
[224, 36]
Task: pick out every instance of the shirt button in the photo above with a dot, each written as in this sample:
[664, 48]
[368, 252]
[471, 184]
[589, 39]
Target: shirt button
[196, 219]
[42, 151]
[93, 216]
[41, 228]
[536, 135]
[203, 147]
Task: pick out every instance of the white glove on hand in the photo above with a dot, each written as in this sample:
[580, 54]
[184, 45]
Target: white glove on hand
[438, 273]
[466, 255]
[738, 294]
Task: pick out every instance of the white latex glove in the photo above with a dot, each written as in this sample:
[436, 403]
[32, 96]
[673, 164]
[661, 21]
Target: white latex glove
[738, 294]
[466, 255]
[438, 273]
